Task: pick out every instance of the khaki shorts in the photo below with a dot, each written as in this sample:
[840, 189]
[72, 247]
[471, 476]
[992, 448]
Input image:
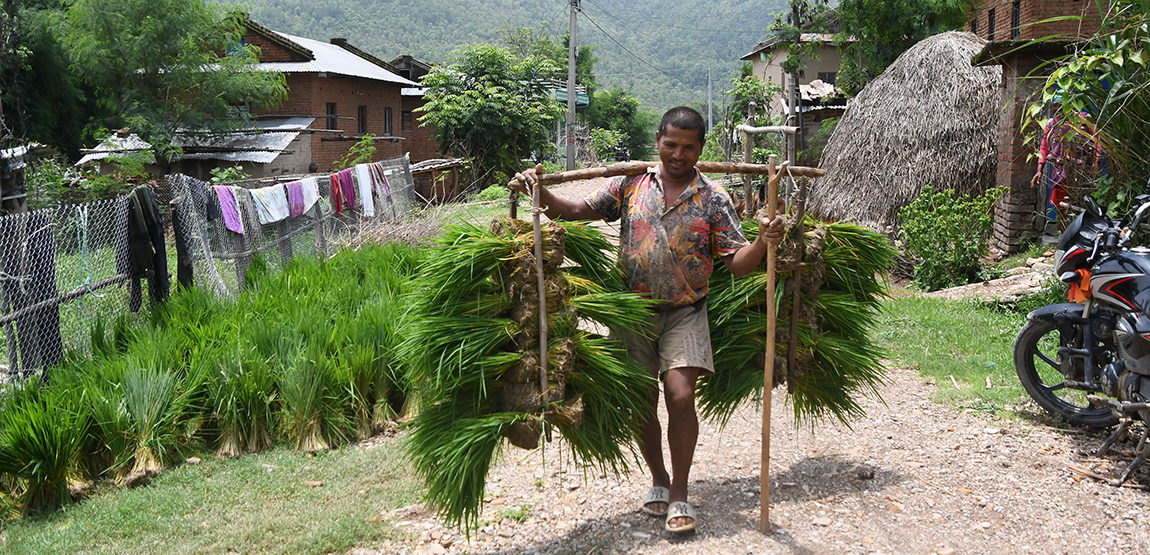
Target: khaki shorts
[682, 339]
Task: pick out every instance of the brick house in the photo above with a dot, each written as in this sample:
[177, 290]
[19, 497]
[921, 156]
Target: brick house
[345, 92]
[1012, 27]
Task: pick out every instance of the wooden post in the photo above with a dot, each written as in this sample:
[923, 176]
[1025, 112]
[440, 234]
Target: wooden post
[536, 212]
[748, 147]
[769, 364]
[799, 204]
[317, 224]
[284, 240]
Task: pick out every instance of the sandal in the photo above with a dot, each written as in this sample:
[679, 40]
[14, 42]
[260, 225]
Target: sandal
[680, 509]
[657, 494]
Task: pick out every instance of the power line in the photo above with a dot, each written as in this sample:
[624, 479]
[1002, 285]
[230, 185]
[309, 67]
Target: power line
[604, 10]
[636, 56]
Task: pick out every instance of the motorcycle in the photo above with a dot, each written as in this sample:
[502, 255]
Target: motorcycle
[1088, 360]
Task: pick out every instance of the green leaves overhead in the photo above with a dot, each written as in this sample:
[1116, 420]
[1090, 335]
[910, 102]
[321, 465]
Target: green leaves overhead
[490, 106]
[163, 65]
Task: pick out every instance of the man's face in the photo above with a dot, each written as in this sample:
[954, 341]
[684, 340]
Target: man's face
[679, 149]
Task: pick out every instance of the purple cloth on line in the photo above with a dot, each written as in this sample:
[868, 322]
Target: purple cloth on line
[229, 208]
[347, 189]
[295, 199]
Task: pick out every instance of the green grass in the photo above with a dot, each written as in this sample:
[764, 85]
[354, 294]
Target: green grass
[257, 504]
[961, 339]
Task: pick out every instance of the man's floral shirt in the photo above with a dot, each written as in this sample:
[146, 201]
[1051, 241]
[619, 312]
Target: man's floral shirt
[669, 253]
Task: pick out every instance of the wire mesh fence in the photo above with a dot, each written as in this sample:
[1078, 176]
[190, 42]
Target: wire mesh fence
[64, 269]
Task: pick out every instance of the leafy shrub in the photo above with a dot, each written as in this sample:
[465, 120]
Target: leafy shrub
[493, 193]
[946, 236]
[226, 175]
[604, 142]
[360, 153]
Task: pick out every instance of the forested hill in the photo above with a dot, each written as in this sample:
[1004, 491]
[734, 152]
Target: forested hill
[661, 48]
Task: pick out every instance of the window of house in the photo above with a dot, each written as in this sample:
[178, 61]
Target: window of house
[331, 123]
[990, 24]
[406, 122]
[1015, 15]
[974, 26]
[361, 118]
[828, 78]
[387, 121]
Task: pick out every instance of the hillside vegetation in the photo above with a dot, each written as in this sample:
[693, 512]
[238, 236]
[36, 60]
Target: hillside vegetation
[660, 48]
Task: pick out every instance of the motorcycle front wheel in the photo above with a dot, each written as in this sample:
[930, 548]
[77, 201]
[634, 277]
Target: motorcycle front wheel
[1040, 371]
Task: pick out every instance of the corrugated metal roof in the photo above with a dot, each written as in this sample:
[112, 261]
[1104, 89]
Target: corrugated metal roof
[250, 147]
[436, 163]
[116, 145]
[330, 58]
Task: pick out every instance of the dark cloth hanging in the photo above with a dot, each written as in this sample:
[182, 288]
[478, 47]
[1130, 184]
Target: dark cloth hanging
[146, 255]
[32, 250]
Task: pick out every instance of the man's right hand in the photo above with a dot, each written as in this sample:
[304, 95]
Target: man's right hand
[525, 180]
[1034, 180]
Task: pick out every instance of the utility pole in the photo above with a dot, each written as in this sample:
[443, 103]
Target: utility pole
[572, 50]
[710, 109]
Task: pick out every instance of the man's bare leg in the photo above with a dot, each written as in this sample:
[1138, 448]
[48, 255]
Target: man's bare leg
[682, 430]
[651, 447]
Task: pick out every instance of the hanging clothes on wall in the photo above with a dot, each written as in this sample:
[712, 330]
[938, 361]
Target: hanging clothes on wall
[295, 199]
[271, 203]
[366, 183]
[147, 256]
[229, 208]
[347, 189]
[310, 189]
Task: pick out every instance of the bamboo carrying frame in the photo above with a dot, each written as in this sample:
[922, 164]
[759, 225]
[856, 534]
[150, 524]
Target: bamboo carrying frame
[775, 174]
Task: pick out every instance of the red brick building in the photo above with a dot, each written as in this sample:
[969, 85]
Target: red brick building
[421, 139]
[345, 91]
[1012, 26]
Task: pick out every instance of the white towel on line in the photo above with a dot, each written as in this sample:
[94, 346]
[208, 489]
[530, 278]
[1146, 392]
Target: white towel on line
[363, 179]
[310, 192]
[271, 203]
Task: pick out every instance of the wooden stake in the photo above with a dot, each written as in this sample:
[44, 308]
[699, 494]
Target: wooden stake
[536, 211]
[769, 364]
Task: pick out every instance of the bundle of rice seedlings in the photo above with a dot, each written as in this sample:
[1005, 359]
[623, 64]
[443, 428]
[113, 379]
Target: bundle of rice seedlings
[242, 394]
[42, 435]
[473, 347]
[157, 401]
[840, 294]
[314, 404]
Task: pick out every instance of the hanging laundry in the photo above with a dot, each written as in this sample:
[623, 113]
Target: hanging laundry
[295, 199]
[381, 178]
[271, 203]
[365, 182]
[229, 208]
[146, 255]
[347, 189]
[336, 195]
[310, 192]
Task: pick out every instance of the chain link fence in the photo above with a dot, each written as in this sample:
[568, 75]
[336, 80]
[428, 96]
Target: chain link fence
[63, 269]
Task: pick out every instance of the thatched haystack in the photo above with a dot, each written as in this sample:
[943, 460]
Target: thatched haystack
[929, 119]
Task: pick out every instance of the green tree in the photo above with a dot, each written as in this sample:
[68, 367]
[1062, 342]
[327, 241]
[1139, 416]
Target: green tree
[490, 107]
[166, 65]
[43, 100]
[618, 110]
[874, 33]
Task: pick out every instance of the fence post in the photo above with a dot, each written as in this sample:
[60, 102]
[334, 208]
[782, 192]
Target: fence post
[320, 238]
[284, 243]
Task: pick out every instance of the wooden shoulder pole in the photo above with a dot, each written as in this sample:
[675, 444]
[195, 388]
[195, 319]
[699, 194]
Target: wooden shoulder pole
[769, 365]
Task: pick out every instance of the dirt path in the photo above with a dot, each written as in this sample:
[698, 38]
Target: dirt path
[912, 477]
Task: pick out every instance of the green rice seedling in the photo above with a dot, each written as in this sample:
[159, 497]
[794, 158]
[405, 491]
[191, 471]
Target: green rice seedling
[471, 339]
[241, 396]
[157, 402]
[314, 404]
[360, 365]
[42, 433]
[836, 360]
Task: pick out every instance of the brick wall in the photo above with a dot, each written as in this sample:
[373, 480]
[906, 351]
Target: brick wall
[309, 94]
[420, 140]
[270, 51]
[1031, 12]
